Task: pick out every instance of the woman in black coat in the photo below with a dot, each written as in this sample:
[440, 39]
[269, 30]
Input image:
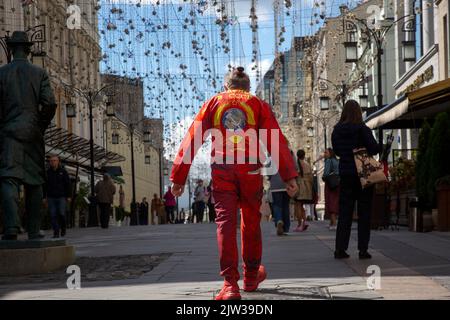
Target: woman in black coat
[351, 133]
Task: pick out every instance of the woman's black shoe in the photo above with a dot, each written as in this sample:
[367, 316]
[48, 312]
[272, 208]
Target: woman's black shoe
[364, 255]
[341, 254]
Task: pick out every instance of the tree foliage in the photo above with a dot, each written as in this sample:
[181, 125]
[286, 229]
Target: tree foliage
[439, 153]
[422, 164]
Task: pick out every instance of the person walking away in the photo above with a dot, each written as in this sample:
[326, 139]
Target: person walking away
[57, 193]
[105, 190]
[265, 209]
[154, 209]
[237, 182]
[169, 203]
[211, 210]
[199, 201]
[348, 134]
[126, 219]
[182, 216]
[161, 212]
[121, 197]
[280, 204]
[143, 211]
[27, 107]
[315, 194]
[331, 191]
[305, 190]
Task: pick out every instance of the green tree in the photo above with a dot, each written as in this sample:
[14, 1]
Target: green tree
[422, 164]
[439, 153]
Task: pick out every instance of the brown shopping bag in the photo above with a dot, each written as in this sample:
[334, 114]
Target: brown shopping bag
[370, 171]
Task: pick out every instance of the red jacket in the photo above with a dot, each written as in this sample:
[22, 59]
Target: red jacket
[234, 119]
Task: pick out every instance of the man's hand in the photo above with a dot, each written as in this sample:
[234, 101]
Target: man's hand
[177, 189]
[291, 187]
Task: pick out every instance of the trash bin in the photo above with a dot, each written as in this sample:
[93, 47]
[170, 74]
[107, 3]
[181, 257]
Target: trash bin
[413, 214]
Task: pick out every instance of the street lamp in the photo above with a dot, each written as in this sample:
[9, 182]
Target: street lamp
[363, 101]
[110, 112]
[115, 138]
[409, 51]
[378, 36]
[324, 103]
[343, 91]
[38, 58]
[351, 51]
[90, 96]
[71, 111]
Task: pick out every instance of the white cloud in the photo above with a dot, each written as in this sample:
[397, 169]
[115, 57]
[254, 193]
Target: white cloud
[201, 165]
[264, 65]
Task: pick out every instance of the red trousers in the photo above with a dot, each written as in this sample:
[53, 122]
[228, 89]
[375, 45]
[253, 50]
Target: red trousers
[237, 186]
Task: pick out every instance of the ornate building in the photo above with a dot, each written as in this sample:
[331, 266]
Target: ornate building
[71, 55]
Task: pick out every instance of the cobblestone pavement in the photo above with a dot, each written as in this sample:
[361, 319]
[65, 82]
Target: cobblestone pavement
[97, 269]
[182, 263]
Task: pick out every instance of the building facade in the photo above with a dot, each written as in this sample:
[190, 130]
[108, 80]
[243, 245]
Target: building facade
[291, 91]
[128, 98]
[71, 55]
[418, 82]
[146, 162]
[129, 122]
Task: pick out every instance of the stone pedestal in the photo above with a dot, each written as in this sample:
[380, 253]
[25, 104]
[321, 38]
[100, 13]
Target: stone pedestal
[24, 257]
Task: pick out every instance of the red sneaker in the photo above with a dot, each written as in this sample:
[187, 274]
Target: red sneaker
[229, 292]
[252, 284]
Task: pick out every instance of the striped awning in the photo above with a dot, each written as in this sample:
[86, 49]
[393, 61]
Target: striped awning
[74, 149]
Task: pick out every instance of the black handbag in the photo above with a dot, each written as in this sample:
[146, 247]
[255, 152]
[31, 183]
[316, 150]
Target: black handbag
[332, 181]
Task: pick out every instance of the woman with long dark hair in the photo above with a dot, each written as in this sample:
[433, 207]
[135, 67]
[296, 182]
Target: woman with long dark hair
[351, 133]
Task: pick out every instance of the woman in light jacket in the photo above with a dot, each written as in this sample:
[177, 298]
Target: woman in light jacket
[305, 190]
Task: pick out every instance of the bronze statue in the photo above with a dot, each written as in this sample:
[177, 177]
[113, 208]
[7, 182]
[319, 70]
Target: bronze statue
[27, 106]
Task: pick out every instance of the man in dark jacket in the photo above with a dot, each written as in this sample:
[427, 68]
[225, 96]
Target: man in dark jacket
[27, 106]
[57, 192]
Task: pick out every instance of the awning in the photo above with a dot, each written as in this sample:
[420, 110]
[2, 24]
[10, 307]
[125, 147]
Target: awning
[76, 150]
[410, 110]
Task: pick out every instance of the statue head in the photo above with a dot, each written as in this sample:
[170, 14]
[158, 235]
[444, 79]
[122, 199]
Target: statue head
[19, 45]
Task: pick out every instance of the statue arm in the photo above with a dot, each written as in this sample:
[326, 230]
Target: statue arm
[47, 101]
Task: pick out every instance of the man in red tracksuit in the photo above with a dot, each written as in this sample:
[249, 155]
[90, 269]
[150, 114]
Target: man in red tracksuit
[237, 122]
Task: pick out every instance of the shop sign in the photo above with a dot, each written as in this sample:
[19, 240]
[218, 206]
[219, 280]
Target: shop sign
[420, 80]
